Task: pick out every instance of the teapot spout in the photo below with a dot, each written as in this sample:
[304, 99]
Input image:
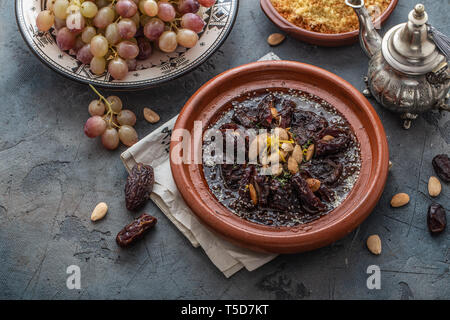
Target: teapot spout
[369, 38]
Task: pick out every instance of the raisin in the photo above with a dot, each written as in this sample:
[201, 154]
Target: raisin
[139, 186]
[441, 164]
[135, 230]
[436, 218]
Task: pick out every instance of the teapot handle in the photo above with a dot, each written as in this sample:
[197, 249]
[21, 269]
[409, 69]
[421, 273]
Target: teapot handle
[439, 75]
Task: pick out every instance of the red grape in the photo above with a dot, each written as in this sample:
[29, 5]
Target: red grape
[110, 139]
[84, 54]
[65, 39]
[126, 8]
[188, 6]
[118, 68]
[166, 11]
[145, 48]
[193, 22]
[94, 126]
[127, 50]
[127, 28]
[154, 29]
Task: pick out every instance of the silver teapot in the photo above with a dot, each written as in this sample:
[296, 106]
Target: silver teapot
[408, 74]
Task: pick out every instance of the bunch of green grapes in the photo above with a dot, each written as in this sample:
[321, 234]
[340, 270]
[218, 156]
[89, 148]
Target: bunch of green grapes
[113, 34]
[111, 122]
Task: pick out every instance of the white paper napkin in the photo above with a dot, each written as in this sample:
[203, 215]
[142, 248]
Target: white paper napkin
[154, 150]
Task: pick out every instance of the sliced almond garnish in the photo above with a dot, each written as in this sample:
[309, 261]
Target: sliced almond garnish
[297, 154]
[253, 194]
[327, 138]
[309, 152]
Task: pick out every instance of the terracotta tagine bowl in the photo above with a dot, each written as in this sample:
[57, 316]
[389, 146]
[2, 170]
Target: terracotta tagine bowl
[317, 38]
[211, 100]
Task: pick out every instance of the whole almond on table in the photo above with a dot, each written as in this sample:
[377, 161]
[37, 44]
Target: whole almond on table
[151, 116]
[434, 186]
[275, 39]
[99, 211]
[374, 244]
[399, 200]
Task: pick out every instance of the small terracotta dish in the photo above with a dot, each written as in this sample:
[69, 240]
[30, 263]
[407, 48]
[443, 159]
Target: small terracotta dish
[214, 97]
[317, 38]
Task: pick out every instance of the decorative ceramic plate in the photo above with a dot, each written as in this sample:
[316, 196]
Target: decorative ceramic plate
[159, 68]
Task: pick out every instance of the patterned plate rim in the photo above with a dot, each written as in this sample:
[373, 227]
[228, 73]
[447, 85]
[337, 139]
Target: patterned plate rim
[20, 20]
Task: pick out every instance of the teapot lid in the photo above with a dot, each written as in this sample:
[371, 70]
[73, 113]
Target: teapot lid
[408, 48]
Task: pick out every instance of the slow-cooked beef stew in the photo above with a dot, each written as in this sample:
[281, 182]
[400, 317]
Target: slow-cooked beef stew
[301, 157]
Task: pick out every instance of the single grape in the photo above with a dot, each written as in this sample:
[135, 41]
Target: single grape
[88, 33]
[128, 135]
[148, 7]
[104, 17]
[79, 43]
[115, 103]
[193, 22]
[127, 50]
[207, 3]
[72, 8]
[98, 65]
[84, 54]
[75, 22]
[154, 29]
[45, 20]
[102, 3]
[60, 7]
[145, 48]
[188, 6]
[127, 28]
[126, 8]
[126, 117]
[97, 108]
[166, 11]
[110, 139]
[94, 126]
[187, 38]
[59, 23]
[89, 9]
[99, 46]
[168, 41]
[112, 33]
[132, 64]
[65, 39]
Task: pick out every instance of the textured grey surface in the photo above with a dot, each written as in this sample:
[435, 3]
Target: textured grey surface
[51, 177]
